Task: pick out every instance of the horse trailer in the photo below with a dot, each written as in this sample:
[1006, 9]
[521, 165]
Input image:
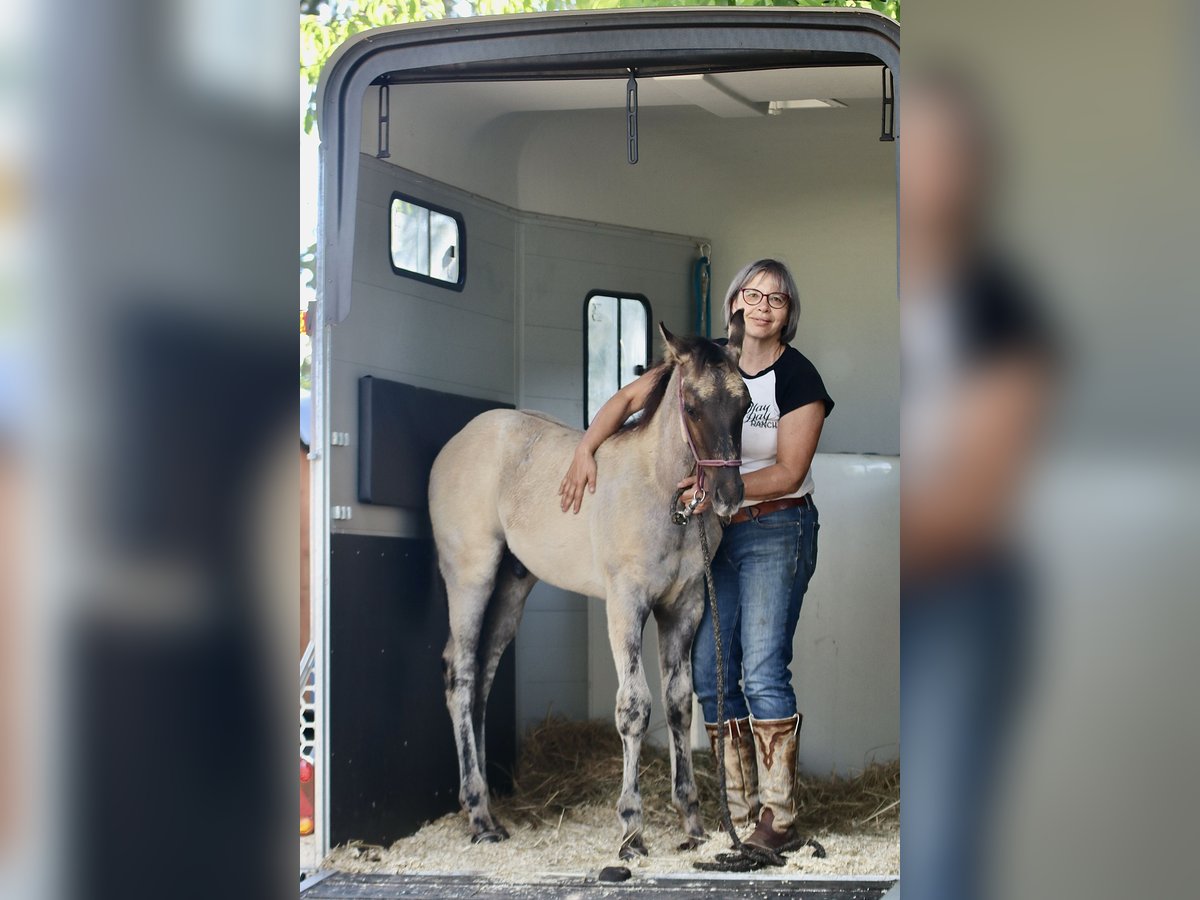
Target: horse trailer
[508, 207]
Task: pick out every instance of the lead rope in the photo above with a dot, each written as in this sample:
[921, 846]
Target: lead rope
[743, 858]
[726, 818]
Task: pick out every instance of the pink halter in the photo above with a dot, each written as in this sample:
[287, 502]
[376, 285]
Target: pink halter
[701, 464]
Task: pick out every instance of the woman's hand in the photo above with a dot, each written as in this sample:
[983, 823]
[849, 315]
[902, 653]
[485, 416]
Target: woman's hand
[608, 420]
[581, 475]
[688, 484]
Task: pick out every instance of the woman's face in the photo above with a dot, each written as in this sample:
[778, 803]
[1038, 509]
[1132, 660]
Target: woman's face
[763, 322]
[941, 173]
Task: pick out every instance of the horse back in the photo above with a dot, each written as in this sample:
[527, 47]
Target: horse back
[496, 481]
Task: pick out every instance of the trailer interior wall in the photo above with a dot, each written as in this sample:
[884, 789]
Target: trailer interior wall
[562, 261]
[815, 187]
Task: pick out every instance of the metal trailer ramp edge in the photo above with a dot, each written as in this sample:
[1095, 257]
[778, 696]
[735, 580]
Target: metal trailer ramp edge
[347, 885]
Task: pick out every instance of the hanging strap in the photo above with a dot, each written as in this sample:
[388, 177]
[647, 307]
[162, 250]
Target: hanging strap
[702, 291]
[631, 117]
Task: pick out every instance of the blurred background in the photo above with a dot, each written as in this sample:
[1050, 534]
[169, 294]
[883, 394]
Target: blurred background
[149, 203]
[1049, 620]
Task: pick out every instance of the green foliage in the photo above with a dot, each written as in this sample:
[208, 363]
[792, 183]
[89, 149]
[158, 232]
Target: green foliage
[321, 35]
[887, 7]
[308, 279]
[308, 265]
[325, 26]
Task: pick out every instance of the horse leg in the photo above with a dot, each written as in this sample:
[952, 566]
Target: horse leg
[676, 629]
[468, 589]
[513, 584]
[626, 619]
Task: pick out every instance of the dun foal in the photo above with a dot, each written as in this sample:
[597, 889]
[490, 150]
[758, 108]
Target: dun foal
[493, 500]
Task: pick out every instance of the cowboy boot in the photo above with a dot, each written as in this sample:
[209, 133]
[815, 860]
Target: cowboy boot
[741, 776]
[775, 743]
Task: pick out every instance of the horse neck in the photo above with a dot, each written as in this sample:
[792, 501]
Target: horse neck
[662, 442]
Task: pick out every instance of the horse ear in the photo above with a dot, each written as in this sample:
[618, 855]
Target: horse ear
[672, 347]
[737, 331]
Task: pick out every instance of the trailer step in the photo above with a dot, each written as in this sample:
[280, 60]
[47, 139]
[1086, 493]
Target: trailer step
[345, 885]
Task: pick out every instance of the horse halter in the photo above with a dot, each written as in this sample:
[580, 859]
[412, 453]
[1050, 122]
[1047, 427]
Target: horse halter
[701, 464]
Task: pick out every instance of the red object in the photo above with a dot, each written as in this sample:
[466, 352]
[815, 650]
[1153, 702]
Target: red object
[306, 800]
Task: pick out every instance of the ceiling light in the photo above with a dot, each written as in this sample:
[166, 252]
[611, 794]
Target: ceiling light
[775, 107]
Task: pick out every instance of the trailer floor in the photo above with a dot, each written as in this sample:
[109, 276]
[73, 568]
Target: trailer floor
[356, 886]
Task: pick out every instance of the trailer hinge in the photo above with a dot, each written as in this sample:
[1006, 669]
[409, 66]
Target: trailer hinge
[339, 438]
[341, 513]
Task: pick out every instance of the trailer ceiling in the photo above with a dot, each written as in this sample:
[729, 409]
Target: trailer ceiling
[485, 100]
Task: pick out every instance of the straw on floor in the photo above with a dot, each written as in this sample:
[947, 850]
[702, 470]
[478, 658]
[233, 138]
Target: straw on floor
[565, 764]
[562, 817]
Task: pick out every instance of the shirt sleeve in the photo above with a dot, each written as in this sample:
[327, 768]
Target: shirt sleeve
[799, 384]
[1000, 316]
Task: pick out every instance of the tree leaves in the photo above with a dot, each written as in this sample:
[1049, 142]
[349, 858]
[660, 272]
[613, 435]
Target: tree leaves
[322, 34]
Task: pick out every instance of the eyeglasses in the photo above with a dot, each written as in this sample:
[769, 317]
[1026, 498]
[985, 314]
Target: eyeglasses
[752, 297]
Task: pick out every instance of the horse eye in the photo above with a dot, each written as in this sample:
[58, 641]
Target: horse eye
[692, 411]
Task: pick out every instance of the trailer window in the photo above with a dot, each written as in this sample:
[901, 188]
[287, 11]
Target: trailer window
[616, 345]
[427, 242]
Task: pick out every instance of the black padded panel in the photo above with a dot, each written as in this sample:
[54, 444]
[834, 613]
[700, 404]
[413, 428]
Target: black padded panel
[392, 762]
[401, 429]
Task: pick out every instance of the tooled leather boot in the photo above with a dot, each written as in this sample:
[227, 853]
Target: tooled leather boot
[775, 744]
[741, 775]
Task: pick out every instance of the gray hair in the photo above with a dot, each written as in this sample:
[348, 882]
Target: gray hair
[784, 276]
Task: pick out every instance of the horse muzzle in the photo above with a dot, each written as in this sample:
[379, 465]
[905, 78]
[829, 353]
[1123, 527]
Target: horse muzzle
[727, 495]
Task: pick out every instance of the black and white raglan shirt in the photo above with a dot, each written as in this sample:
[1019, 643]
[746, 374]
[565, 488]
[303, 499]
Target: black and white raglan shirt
[791, 382]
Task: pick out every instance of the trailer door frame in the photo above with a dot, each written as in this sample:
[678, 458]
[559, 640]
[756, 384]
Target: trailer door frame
[550, 46]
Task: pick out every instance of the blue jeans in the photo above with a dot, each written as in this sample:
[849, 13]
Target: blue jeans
[761, 571]
[964, 641]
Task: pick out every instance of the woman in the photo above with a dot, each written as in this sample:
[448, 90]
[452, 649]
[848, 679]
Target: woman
[980, 365]
[766, 557]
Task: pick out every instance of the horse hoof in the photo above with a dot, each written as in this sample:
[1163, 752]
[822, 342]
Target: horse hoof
[633, 847]
[614, 874]
[692, 843]
[489, 837]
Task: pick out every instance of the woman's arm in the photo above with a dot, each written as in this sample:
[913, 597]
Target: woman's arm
[609, 419]
[996, 418]
[799, 432]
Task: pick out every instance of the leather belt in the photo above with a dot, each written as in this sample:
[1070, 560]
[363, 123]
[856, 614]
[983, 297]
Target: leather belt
[758, 510]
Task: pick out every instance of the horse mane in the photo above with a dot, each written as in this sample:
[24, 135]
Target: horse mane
[703, 351]
[654, 399]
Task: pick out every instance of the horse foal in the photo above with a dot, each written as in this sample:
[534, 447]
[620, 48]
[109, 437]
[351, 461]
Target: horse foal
[494, 506]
